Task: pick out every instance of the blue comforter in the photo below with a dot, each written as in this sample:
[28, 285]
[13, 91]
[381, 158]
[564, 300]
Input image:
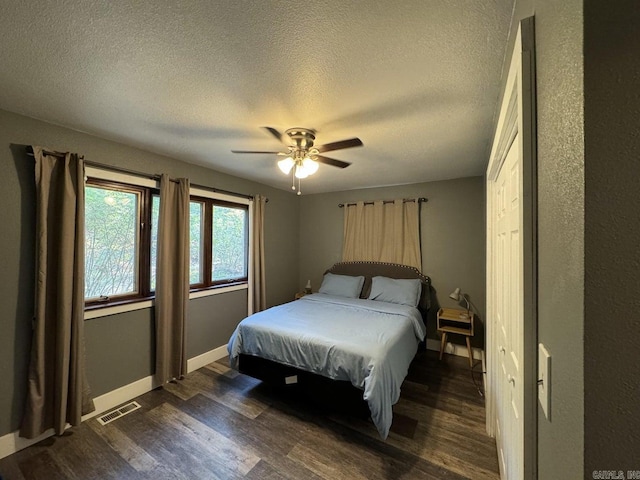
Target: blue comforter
[366, 342]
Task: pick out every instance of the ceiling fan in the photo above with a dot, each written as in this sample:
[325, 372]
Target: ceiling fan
[302, 158]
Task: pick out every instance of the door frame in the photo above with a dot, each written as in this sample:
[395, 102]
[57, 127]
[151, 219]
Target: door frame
[517, 116]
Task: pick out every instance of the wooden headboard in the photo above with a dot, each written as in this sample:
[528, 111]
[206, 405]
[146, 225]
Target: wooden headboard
[391, 270]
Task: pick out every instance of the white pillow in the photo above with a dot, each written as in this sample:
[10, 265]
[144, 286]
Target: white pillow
[403, 291]
[341, 285]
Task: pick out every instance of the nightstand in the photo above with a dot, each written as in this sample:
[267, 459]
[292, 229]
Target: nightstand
[299, 295]
[452, 320]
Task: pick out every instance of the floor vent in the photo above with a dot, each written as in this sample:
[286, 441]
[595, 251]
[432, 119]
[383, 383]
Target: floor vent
[118, 412]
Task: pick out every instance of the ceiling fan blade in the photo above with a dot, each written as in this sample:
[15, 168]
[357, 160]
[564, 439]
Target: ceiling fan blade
[331, 161]
[276, 134]
[327, 147]
[252, 151]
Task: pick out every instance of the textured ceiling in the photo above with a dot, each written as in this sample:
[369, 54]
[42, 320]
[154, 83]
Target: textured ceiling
[417, 81]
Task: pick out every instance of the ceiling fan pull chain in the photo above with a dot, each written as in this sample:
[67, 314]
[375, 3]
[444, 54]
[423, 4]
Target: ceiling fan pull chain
[299, 191]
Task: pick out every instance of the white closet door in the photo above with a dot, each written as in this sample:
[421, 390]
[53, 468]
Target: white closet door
[511, 315]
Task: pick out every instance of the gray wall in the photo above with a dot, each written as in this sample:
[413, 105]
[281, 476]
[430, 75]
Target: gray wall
[119, 347]
[588, 148]
[452, 234]
[559, 84]
[561, 232]
[131, 336]
[207, 330]
[612, 230]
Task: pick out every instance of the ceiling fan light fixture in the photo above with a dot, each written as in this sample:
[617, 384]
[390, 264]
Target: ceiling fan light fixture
[301, 172]
[310, 166]
[302, 158]
[286, 164]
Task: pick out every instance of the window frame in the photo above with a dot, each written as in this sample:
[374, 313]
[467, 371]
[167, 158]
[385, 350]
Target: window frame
[196, 287]
[143, 247]
[207, 257]
[145, 297]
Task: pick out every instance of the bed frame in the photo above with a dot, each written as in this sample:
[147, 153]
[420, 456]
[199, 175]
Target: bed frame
[321, 389]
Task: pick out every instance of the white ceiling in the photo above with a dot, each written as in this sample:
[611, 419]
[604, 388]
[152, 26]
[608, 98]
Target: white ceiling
[416, 81]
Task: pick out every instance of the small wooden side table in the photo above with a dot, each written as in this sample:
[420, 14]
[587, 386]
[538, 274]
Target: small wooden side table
[299, 295]
[452, 320]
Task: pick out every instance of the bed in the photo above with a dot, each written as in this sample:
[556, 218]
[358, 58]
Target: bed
[363, 328]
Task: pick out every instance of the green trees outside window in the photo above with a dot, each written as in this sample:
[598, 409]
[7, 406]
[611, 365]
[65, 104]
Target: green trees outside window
[196, 245]
[229, 245]
[111, 242]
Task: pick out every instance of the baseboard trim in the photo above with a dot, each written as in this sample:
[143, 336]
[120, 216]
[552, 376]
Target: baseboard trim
[13, 442]
[454, 349]
[206, 358]
[121, 395]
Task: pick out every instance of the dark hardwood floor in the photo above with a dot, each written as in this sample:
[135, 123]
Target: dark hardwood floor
[219, 424]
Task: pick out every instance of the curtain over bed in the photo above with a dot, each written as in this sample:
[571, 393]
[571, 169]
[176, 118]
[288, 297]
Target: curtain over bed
[383, 232]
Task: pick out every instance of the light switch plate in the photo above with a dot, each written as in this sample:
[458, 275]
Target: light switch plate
[544, 380]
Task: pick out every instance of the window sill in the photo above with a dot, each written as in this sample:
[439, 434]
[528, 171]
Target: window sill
[104, 311]
[205, 292]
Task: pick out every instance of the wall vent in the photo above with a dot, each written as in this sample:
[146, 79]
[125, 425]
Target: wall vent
[118, 412]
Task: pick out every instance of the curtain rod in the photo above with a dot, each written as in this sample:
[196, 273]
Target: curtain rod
[420, 200]
[143, 175]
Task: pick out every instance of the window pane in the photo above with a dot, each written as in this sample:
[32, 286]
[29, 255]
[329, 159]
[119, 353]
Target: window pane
[229, 243]
[111, 242]
[195, 240]
[155, 215]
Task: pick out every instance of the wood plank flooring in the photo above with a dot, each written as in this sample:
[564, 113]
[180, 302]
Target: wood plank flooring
[218, 424]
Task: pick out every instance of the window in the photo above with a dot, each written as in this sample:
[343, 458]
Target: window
[229, 240]
[155, 215]
[116, 242]
[121, 242]
[219, 243]
[196, 247]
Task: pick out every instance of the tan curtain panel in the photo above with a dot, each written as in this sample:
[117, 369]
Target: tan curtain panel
[383, 232]
[172, 285]
[258, 270]
[58, 392]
